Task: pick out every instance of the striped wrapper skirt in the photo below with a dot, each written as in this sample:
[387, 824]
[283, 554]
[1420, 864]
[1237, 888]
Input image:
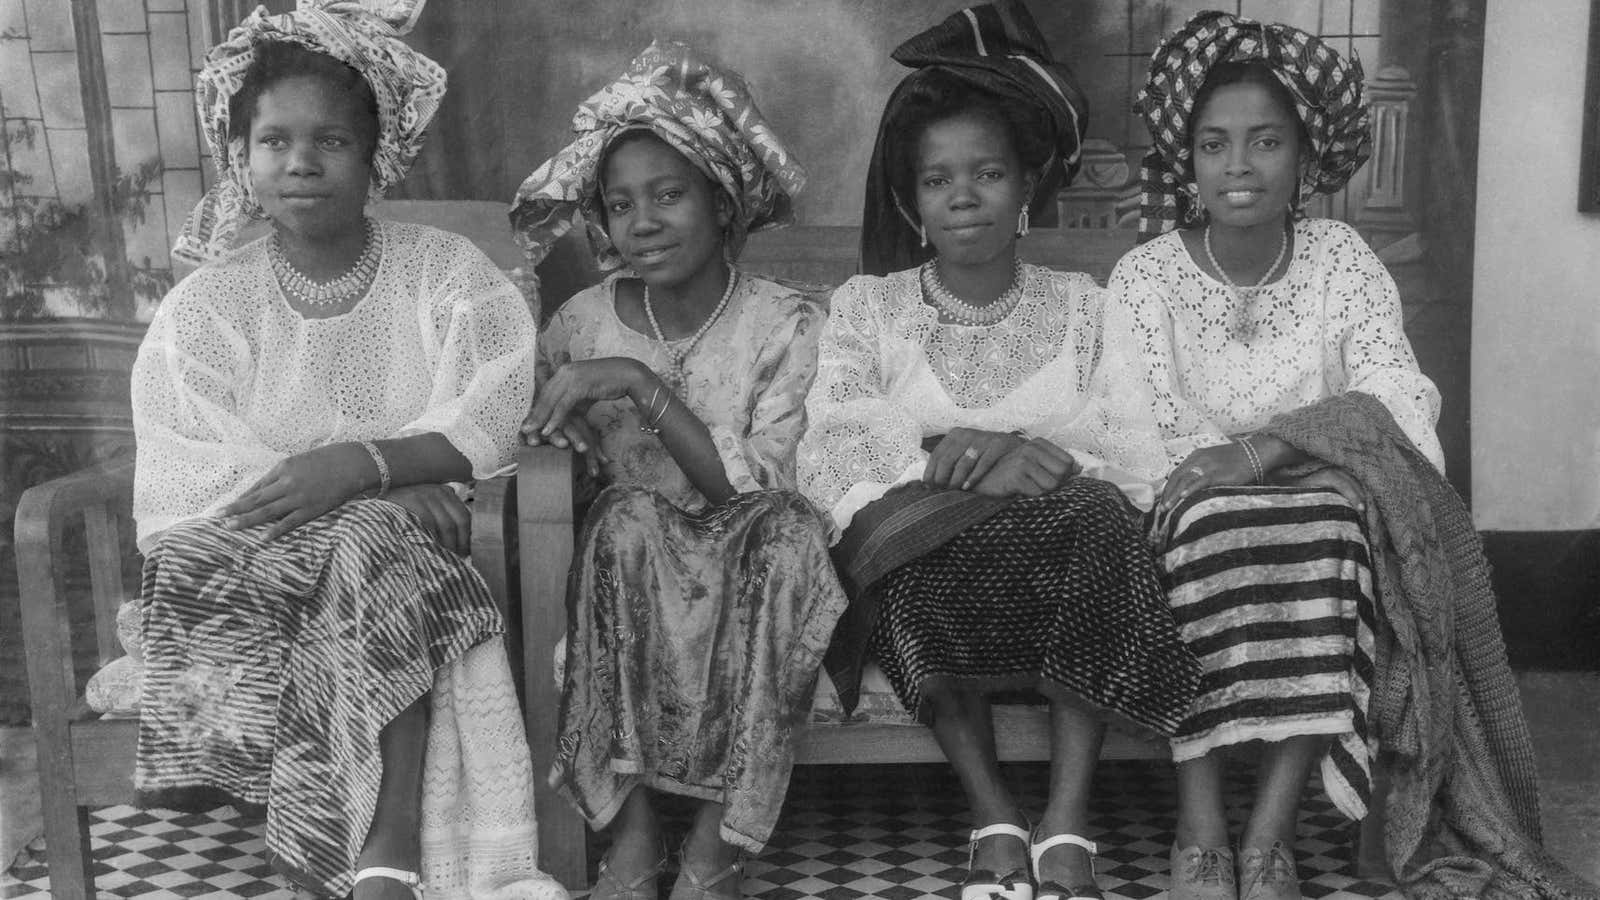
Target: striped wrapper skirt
[271, 668]
[1057, 593]
[1273, 591]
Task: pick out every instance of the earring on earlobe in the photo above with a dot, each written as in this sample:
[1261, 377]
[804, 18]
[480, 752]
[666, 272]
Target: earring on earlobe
[1022, 221]
[922, 232]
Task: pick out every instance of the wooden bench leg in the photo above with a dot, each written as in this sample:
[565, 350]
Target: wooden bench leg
[66, 825]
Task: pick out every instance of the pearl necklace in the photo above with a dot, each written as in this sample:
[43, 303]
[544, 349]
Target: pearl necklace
[353, 283]
[678, 354]
[960, 311]
[1243, 329]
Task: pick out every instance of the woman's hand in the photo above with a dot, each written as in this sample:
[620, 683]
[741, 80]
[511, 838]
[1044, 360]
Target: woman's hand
[1331, 477]
[966, 455]
[301, 488]
[580, 436]
[442, 513]
[1033, 469]
[578, 385]
[1207, 467]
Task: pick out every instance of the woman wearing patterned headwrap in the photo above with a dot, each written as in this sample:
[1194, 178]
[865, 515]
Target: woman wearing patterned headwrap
[1257, 360]
[940, 440]
[702, 595]
[314, 641]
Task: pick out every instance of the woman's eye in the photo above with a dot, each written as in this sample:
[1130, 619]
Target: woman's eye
[934, 181]
[1269, 143]
[1210, 146]
[618, 207]
[272, 142]
[991, 175]
[333, 143]
[671, 196]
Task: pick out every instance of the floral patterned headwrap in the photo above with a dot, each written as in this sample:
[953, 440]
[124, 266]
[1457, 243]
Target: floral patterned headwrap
[363, 35]
[703, 112]
[1327, 91]
[997, 48]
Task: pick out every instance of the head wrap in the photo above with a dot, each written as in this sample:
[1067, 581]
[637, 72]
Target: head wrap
[1327, 93]
[363, 35]
[704, 112]
[997, 49]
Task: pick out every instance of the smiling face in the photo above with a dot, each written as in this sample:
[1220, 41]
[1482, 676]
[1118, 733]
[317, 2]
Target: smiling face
[1247, 155]
[310, 151]
[970, 186]
[664, 217]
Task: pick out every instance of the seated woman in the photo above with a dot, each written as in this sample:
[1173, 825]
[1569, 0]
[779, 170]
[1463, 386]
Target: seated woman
[939, 438]
[314, 640]
[702, 597]
[1266, 348]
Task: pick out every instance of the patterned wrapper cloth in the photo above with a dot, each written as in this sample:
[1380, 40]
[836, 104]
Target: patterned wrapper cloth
[364, 36]
[997, 48]
[1327, 91]
[702, 111]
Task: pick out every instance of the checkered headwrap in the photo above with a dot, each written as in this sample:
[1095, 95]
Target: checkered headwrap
[1327, 91]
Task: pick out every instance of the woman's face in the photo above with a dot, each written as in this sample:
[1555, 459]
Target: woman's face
[970, 188]
[664, 217]
[1246, 156]
[310, 156]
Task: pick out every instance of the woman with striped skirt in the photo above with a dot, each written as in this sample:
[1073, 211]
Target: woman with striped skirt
[1248, 310]
[316, 644]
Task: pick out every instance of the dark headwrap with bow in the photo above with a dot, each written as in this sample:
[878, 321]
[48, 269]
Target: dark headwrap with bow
[997, 49]
[1327, 92]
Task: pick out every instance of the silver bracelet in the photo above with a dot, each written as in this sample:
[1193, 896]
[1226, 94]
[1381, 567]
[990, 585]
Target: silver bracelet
[1254, 457]
[649, 427]
[381, 463]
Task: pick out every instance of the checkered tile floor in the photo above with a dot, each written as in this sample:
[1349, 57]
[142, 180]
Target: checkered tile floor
[848, 832]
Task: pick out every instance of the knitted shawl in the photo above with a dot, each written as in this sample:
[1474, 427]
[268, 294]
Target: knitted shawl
[1462, 810]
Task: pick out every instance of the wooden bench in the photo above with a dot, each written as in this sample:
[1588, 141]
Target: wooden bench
[817, 255]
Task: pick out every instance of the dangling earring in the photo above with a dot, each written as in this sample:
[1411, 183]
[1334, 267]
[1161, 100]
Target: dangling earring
[922, 232]
[1022, 221]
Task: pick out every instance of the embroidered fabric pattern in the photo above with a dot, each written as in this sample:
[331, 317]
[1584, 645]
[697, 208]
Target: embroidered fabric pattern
[1331, 324]
[891, 373]
[231, 379]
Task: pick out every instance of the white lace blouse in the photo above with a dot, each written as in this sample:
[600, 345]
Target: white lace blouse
[230, 379]
[889, 374]
[1331, 324]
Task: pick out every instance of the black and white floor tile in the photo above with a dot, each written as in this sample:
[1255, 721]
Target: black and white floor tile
[896, 833]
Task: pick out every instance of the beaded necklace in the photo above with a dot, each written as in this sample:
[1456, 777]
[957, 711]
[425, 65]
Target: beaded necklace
[353, 283]
[1244, 328]
[960, 311]
[681, 351]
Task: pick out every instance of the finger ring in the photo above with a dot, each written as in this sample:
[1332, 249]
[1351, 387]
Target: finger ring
[971, 453]
[1196, 470]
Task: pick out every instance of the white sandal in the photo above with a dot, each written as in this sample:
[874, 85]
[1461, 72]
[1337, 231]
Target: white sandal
[1055, 890]
[985, 884]
[409, 879]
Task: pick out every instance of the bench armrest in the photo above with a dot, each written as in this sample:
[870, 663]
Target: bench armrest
[102, 496]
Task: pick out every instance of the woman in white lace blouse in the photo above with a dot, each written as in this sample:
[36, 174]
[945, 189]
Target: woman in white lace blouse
[940, 439]
[315, 641]
[1248, 312]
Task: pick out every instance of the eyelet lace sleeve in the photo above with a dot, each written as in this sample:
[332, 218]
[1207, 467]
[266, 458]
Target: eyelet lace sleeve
[857, 437]
[479, 342]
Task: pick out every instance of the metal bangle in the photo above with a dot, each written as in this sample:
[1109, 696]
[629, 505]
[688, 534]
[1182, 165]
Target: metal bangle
[650, 427]
[1254, 457]
[381, 463]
